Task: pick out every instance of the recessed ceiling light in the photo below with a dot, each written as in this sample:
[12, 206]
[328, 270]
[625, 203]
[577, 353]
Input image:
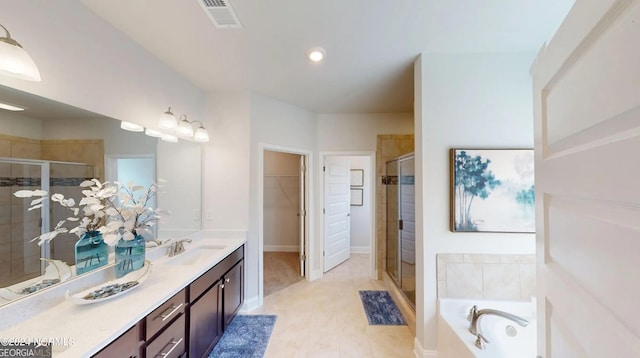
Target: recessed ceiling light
[9, 107]
[316, 54]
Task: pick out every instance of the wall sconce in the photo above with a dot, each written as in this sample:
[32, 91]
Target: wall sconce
[183, 127]
[15, 61]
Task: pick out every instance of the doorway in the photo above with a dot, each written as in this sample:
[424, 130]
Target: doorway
[139, 169]
[361, 210]
[284, 219]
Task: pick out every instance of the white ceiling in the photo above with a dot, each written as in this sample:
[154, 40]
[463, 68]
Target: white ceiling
[370, 44]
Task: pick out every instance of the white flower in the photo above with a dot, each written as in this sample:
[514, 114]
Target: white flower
[115, 210]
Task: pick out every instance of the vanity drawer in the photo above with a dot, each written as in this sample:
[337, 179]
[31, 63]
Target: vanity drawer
[171, 343]
[164, 314]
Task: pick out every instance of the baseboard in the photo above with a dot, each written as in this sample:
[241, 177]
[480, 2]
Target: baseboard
[251, 304]
[281, 248]
[360, 249]
[421, 352]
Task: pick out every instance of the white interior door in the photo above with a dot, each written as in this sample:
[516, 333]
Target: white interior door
[587, 140]
[302, 212]
[337, 212]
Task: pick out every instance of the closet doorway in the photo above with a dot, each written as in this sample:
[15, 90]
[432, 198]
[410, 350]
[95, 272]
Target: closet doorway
[284, 219]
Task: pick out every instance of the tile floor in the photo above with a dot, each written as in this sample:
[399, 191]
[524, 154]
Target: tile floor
[325, 318]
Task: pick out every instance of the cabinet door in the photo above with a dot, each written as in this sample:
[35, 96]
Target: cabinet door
[233, 292]
[205, 322]
[127, 345]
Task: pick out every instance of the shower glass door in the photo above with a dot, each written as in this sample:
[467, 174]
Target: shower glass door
[19, 256]
[407, 228]
[392, 249]
[401, 224]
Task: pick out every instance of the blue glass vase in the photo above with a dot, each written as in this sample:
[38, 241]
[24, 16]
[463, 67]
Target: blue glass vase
[91, 252]
[129, 255]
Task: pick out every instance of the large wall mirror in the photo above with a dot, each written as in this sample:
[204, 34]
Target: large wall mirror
[57, 145]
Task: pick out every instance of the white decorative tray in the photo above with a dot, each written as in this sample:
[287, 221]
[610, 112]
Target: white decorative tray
[111, 289]
[57, 271]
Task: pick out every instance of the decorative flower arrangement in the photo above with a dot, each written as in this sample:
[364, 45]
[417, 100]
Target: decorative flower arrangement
[113, 209]
[90, 213]
[131, 215]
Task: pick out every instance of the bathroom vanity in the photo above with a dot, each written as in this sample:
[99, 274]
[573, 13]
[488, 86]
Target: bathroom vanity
[198, 314]
[181, 310]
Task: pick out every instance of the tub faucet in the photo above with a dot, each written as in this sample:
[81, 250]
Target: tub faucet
[177, 247]
[475, 314]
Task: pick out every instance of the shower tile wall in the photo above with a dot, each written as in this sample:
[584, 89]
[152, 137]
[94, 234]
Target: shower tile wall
[89, 151]
[486, 276]
[389, 146]
[19, 258]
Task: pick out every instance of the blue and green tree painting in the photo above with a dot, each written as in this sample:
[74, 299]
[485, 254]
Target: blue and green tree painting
[472, 179]
[493, 190]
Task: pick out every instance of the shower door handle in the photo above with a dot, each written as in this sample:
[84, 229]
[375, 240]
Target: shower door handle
[400, 224]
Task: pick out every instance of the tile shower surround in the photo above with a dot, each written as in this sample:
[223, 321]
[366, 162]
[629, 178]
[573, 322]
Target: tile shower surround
[487, 276]
[388, 146]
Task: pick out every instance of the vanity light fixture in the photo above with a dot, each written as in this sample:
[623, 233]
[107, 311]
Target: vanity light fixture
[201, 135]
[153, 133]
[169, 138]
[183, 127]
[10, 107]
[316, 54]
[15, 61]
[131, 126]
[168, 120]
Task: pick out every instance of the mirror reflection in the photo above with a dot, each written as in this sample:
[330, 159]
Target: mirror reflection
[55, 147]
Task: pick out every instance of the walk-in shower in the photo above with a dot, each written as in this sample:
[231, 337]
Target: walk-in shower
[401, 223]
[19, 255]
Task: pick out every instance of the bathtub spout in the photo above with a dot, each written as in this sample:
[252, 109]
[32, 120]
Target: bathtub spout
[475, 314]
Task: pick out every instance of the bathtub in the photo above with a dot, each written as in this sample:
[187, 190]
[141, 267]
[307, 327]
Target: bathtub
[506, 338]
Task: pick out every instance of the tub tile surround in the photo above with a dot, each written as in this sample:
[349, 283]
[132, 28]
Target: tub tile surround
[486, 276]
[47, 315]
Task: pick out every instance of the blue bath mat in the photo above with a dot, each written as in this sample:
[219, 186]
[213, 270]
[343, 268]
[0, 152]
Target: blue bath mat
[247, 336]
[380, 308]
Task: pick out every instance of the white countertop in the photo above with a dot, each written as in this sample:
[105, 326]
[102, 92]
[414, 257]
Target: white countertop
[83, 330]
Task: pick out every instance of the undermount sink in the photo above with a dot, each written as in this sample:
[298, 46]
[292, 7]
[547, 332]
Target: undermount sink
[193, 255]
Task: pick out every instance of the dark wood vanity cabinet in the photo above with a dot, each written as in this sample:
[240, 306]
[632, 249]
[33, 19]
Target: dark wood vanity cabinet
[233, 292]
[216, 297]
[192, 321]
[205, 321]
[172, 342]
[126, 346]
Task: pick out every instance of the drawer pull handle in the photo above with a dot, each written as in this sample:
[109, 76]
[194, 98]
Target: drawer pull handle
[222, 286]
[227, 279]
[174, 345]
[171, 308]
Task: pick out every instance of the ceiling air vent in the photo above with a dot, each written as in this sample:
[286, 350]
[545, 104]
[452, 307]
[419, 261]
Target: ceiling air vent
[221, 13]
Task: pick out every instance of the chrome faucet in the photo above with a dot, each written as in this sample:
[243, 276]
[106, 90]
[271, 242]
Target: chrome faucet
[474, 317]
[177, 247]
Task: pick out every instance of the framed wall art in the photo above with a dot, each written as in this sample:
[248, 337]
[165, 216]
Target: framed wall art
[492, 190]
[357, 197]
[357, 177]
